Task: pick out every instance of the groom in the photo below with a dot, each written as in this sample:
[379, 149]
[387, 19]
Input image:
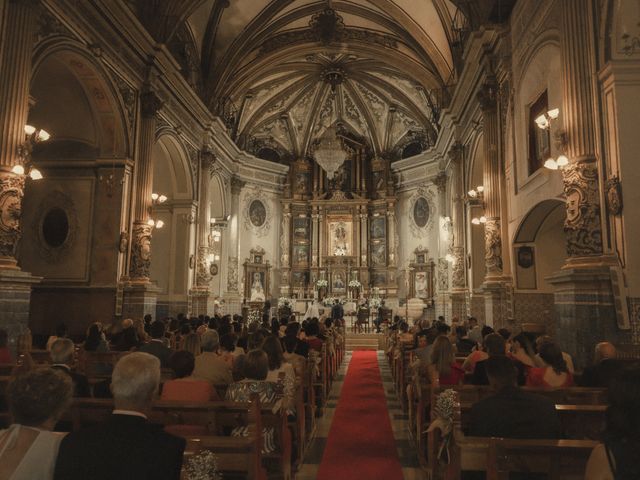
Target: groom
[337, 312]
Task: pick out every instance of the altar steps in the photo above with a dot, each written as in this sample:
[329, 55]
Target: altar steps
[363, 341]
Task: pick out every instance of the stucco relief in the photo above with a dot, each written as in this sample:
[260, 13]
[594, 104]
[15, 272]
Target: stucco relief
[421, 212]
[232, 278]
[140, 251]
[203, 272]
[458, 273]
[443, 275]
[493, 246]
[11, 193]
[582, 224]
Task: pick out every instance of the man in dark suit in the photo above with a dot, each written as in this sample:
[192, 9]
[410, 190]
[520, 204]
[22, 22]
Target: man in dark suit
[511, 412]
[494, 344]
[156, 346]
[62, 359]
[127, 446]
[605, 368]
[337, 311]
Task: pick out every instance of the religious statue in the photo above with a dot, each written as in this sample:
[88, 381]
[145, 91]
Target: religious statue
[257, 289]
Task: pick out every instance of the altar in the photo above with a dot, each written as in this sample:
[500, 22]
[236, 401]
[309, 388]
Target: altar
[341, 230]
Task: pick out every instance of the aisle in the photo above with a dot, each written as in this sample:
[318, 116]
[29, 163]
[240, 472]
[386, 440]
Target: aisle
[403, 447]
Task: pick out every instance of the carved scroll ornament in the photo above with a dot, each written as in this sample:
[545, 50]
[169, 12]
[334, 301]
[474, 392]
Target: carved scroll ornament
[141, 251]
[458, 273]
[11, 193]
[203, 272]
[493, 246]
[582, 225]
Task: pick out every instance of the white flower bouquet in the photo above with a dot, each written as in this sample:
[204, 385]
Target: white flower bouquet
[284, 302]
[202, 466]
[354, 284]
[322, 283]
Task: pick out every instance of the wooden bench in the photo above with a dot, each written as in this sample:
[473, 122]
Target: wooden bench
[558, 459]
[211, 419]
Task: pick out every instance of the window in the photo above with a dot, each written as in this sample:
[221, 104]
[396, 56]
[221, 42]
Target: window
[539, 140]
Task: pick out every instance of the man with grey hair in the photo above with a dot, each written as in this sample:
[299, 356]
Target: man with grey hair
[127, 445]
[606, 366]
[61, 359]
[209, 365]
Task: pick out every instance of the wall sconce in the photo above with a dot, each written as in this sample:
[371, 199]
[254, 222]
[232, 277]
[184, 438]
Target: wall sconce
[449, 258]
[476, 192]
[479, 220]
[156, 199]
[33, 136]
[544, 122]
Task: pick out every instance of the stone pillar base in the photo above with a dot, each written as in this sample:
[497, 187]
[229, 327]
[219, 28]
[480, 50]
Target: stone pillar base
[585, 311]
[458, 301]
[496, 309]
[15, 299]
[140, 299]
[202, 301]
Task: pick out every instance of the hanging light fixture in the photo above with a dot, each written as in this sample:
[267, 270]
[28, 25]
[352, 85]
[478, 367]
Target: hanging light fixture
[33, 135]
[330, 154]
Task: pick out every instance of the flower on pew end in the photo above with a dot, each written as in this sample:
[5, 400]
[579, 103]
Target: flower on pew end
[202, 466]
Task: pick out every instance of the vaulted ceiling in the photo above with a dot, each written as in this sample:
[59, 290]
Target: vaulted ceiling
[281, 71]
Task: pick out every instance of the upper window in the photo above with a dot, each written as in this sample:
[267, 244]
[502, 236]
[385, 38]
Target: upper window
[539, 140]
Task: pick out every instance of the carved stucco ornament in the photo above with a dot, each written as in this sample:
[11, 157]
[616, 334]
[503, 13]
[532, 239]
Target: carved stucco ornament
[141, 251]
[614, 196]
[458, 273]
[582, 224]
[11, 193]
[232, 279]
[493, 246]
[203, 272]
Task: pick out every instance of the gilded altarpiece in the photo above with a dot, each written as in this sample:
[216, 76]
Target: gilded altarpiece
[340, 229]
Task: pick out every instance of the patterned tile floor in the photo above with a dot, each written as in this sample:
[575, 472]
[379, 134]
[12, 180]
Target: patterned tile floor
[406, 449]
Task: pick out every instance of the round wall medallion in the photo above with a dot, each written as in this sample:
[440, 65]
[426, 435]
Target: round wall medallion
[55, 227]
[213, 269]
[421, 212]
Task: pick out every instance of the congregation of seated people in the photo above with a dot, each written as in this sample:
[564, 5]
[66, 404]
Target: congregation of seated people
[188, 360]
[516, 368]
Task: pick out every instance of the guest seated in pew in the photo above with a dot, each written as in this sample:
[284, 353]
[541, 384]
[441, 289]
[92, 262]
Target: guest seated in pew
[277, 366]
[156, 346]
[475, 331]
[191, 343]
[254, 342]
[425, 339]
[5, 354]
[28, 448]
[127, 445]
[522, 350]
[541, 340]
[61, 359]
[61, 332]
[293, 331]
[443, 370]
[127, 339]
[511, 412]
[228, 348]
[476, 356]
[495, 345]
[289, 344]
[555, 373]
[312, 330]
[404, 335]
[463, 343]
[604, 369]
[255, 369]
[185, 387]
[209, 365]
[617, 457]
[96, 341]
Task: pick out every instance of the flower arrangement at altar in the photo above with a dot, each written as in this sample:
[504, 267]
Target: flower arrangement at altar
[445, 407]
[354, 284]
[375, 303]
[322, 283]
[329, 301]
[202, 466]
[255, 316]
[285, 302]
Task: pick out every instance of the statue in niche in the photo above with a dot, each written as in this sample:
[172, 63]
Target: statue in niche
[257, 288]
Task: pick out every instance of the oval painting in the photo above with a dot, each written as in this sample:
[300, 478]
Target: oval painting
[257, 213]
[421, 212]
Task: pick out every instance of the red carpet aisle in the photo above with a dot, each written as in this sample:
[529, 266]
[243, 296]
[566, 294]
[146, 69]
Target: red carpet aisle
[361, 443]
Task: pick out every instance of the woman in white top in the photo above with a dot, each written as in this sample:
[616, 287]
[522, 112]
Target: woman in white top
[29, 448]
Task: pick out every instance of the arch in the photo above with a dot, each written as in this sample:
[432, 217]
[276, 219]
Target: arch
[76, 101]
[217, 198]
[475, 233]
[172, 172]
[532, 222]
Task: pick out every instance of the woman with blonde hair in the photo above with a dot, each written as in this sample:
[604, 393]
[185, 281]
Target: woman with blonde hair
[191, 344]
[443, 370]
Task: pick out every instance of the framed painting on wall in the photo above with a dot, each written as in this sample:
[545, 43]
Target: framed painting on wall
[301, 229]
[378, 228]
[539, 139]
[340, 237]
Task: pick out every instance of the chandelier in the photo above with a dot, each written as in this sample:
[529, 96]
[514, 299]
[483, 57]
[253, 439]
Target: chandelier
[330, 154]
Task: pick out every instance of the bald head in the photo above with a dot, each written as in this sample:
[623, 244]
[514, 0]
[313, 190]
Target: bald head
[604, 351]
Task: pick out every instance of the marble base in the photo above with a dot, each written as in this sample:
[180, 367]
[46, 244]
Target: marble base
[585, 311]
[458, 302]
[15, 300]
[140, 299]
[202, 301]
[496, 310]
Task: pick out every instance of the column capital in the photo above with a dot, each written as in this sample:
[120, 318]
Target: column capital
[441, 181]
[456, 152]
[150, 103]
[237, 185]
[208, 159]
[488, 95]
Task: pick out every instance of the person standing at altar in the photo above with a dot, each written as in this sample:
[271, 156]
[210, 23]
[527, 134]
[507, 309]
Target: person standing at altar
[337, 311]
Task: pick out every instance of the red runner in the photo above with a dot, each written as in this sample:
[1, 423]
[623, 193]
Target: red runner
[361, 443]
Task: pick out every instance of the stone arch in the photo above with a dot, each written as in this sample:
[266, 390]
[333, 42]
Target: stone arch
[475, 233]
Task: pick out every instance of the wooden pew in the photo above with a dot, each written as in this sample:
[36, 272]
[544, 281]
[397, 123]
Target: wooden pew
[559, 459]
[7, 368]
[212, 418]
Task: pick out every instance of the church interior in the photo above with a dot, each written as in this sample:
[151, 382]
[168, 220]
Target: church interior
[392, 185]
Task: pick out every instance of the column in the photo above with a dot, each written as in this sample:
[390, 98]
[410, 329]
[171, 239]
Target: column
[202, 298]
[234, 243]
[364, 248]
[315, 243]
[17, 38]
[584, 298]
[442, 271]
[285, 251]
[458, 278]
[392, 290]
[140, 296]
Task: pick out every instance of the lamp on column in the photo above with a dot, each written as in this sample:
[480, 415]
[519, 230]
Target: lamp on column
[156, 199]
[33, 136]
[476, 196]
[544, 122]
